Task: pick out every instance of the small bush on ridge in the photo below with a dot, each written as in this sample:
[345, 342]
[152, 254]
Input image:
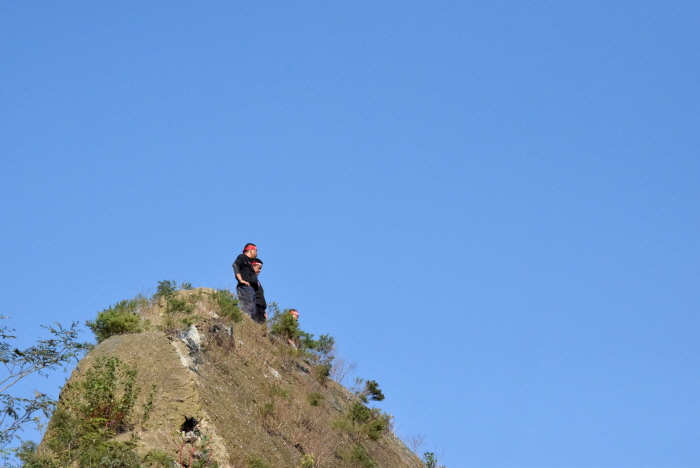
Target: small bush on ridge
[228, 305]
[119, 319]
[178, 305]
[166, 289]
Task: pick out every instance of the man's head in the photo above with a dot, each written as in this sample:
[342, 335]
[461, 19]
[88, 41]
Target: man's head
[294, 313]
[250, 250]
[257, 265]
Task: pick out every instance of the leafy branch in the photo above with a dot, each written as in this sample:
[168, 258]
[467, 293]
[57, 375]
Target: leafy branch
[58, 351]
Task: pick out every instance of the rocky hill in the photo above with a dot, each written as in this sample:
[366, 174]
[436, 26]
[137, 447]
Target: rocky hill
[185, 380]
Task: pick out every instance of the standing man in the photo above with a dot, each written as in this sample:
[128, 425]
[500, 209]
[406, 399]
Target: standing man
[245, 275]
[260, 303]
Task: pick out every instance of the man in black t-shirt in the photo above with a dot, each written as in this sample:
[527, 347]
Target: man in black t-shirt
[260, 304]
[245, 275]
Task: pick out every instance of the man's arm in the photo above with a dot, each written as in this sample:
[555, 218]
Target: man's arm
[237, 272]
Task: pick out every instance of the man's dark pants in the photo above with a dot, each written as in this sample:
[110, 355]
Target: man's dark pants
[259, 314]
[246, 299]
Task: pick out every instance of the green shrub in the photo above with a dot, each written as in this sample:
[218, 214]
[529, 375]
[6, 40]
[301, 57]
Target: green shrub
[320, 351]
[158, 459]
[278, 391]
[178, 305]
[343, 425]
[119, 319]
[323, 347]
[149, 404]
[194, 298]
[307, 461]
[322, 372]
[359, 413]
[256, 462]
[179, 313]
[266, 409]
[430, 460]
[188, 321]
[375, 428]
[228, 305]
[360, 420]
[360, 456]
[315, 398]
[107, 394]
[370, 391]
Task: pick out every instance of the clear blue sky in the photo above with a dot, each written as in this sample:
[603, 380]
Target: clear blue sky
[493, 206]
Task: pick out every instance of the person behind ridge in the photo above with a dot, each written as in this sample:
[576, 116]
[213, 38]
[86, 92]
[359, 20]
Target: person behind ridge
[295, 314]
[245, 275]
[260, 304]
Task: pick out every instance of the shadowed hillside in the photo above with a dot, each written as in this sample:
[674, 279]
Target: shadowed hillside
[185, 380]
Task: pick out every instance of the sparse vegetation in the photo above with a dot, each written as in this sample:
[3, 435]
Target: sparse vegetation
[179, 310]
[360, 420]
[360, 456]
[315, 398]
[171, 308]
[256, 462]
[158, 459]
[148, 405]
[176, 305]
[322, 372]
[307, 461]
[278, 391]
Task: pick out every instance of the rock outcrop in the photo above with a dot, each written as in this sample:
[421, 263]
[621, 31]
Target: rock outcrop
[242, 396]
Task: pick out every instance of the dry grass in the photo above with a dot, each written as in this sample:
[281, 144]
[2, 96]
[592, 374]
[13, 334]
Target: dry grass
[269, 383]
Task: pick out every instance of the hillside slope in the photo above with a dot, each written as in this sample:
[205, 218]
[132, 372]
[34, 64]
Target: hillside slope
[229, 394]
